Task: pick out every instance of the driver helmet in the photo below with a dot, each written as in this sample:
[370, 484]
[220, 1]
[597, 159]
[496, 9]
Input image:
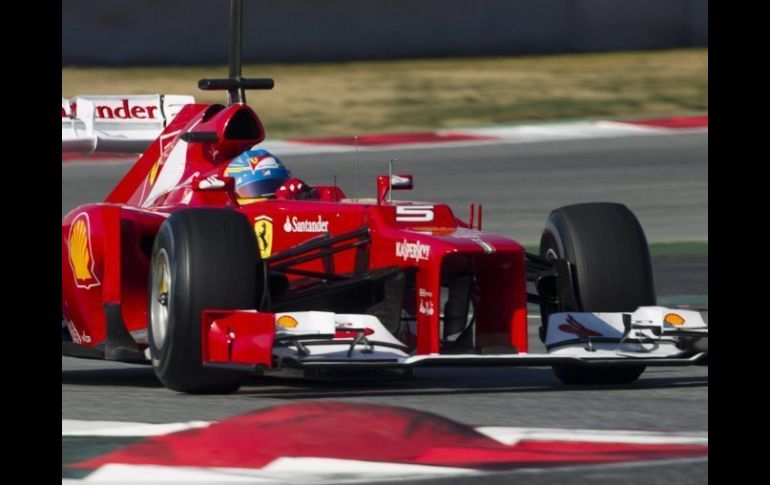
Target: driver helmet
[257, 173]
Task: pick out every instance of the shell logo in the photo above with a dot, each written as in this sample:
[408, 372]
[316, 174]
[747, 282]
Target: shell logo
[81, 256]
[673, 319]
[154, 172]
[286, 321]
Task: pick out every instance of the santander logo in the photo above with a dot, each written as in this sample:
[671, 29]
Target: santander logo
[121, 110]
[294, 224]
[573, 326]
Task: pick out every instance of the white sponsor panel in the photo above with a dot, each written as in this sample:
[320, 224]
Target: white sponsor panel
[414, 213]
[412, 250]
[126, 109]
[647, 332]
[378, 331]
[136, 108]
[377, 344]
[295, 224]
[304, 323]
[121, 124]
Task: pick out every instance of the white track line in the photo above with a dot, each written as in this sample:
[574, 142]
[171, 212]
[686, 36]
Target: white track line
[318, 471]
[580, 130]
[73, 427]
[282, 470]
[507, 435]
[512, 435]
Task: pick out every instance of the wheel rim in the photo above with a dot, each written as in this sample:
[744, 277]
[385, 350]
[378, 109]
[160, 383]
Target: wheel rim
[160, 297]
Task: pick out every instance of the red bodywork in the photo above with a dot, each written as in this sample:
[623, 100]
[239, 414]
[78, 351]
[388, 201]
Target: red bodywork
[106, 246]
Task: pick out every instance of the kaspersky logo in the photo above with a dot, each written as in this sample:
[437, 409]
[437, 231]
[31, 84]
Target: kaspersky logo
[80, 253]
[573, 326]
[412, 250]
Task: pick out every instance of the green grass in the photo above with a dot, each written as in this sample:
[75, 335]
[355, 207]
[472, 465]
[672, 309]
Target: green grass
[407, 95]
[680, 249]
[687, 248]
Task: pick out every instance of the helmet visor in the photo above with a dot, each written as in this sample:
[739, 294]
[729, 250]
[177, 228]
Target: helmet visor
[259, 188]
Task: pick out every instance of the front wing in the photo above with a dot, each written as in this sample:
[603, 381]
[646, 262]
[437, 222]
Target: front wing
[321, 340]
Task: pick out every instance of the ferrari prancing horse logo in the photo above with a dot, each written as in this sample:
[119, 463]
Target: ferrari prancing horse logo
[263, 227]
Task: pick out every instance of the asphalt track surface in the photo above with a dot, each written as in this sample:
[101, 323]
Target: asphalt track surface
[664, 179]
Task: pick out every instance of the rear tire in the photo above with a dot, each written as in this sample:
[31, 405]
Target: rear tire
[201, 259]
[607, 246]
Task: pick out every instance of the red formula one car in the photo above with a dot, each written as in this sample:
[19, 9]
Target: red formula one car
[176, 268]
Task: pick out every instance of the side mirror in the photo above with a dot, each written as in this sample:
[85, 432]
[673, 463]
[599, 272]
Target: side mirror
[213, 183]
[395, 182]
[401, 182]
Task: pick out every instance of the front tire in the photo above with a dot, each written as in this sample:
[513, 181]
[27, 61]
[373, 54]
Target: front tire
[608, 248]
[201, 259]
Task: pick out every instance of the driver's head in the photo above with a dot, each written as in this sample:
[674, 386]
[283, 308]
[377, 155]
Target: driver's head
[257, 174]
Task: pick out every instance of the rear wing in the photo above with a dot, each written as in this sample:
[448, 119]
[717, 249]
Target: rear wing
[118, 123]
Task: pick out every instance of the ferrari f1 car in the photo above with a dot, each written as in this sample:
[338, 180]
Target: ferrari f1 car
[173, 268]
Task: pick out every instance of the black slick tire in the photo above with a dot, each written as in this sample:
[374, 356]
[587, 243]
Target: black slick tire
[212, 262]
[613, 272]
